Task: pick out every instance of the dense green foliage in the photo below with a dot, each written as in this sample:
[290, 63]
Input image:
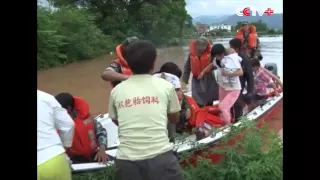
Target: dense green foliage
[83, 29]
[260, 159]
[262, 28]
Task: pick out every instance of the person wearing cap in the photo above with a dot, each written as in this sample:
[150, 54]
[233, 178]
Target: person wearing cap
[250, 41]
[205, 90]
[119, 69]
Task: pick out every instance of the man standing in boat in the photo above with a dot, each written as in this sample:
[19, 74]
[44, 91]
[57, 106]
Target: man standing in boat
[51, 117]
[142, 106]
[90, 139]
[205, 90]
[250, 41]
[119, 70]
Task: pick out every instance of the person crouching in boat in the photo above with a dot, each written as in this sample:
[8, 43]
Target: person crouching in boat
[228, 72]
[204, 90]
[246, 80]
[90, 140]
[172, 73]
[275, 78]
[261, 83]
[119, 70]
[142, 106]
[191, 115]
[250, 41]
[51, 159]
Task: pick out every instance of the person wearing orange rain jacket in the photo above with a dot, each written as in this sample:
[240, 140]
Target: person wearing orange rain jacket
[205, 90]
[250, 41]
[119, 69]
[90, 138]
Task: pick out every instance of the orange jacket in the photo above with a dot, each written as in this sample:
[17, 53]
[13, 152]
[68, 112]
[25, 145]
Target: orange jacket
[81, 107]
[198, 64]
[199, 115]
[123, 63]
[85, 141]
[125, 69]
[252, 39]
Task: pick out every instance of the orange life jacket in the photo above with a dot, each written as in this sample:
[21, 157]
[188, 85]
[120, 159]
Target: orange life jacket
[199, 115]
[84, 141]
[125, 69]
[252, 37]
[198, 64]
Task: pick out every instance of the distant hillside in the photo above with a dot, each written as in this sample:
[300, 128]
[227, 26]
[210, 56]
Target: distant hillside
[210, 19]
[274, 21]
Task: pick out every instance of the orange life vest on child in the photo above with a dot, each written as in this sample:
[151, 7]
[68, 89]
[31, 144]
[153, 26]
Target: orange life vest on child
[252, 37]
[199, 115]
[198, 64]
[84, 141]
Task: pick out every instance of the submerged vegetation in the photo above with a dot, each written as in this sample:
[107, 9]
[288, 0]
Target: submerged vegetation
[256, 156]
[75, 30]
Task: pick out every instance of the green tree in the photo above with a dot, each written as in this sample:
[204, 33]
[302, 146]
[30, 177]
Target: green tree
[68, 34]
[82, 29]
[260, 26]
[49, 41]
[238, 26]
[272, 31]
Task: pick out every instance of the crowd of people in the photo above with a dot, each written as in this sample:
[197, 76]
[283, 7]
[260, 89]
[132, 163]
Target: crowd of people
[150, 107]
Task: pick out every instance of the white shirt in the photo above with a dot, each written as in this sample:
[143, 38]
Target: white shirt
[229, 63]
[173, 79]
[50, 118]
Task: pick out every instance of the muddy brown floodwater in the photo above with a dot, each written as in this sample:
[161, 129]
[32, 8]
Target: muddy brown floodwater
[83, 78]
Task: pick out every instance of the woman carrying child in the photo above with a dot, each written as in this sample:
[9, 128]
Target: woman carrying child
[228, 72]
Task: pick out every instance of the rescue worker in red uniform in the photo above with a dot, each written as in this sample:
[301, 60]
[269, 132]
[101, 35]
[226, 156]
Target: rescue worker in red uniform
[250, 42]
[119, 69]
[90, 138]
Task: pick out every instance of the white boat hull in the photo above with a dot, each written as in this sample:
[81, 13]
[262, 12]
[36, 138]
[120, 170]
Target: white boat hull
[113, 142]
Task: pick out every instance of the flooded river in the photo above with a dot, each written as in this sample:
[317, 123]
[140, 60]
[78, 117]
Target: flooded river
[83, 78]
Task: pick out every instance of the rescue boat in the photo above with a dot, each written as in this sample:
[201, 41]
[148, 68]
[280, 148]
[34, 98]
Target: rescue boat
[261, 113]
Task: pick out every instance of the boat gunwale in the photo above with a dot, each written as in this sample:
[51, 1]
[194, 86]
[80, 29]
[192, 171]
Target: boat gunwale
[223, 131]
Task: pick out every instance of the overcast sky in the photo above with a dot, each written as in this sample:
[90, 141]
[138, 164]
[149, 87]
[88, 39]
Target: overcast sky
[226, 7]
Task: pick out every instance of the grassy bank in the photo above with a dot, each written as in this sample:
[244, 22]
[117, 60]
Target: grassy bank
[260, 158]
